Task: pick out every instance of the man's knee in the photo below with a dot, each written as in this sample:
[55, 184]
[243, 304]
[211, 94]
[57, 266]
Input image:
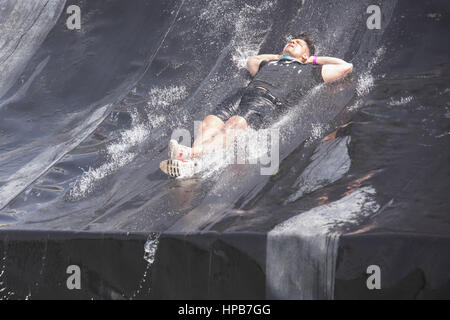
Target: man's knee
[236, 122]
[212, 121]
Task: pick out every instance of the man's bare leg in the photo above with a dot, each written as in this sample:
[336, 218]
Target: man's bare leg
[218, 135]
[210, 127]
[225, 136]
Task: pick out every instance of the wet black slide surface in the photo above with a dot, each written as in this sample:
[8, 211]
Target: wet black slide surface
[357, 209]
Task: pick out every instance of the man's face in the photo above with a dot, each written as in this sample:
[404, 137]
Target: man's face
[297, 48]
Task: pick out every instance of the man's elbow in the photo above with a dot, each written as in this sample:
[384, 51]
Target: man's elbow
[252, 66]
[332, 73]
[349, 68]
[249, 63]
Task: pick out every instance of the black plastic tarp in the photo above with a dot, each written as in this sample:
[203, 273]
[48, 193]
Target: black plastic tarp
[86, 115]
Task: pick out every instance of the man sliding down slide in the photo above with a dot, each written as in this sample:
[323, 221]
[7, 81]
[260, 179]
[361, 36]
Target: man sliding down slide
[275, 77]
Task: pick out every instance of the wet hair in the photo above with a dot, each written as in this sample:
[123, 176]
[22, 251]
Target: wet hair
[309, 41]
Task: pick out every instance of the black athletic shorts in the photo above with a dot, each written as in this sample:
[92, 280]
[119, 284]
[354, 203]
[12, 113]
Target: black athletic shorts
[257, 106]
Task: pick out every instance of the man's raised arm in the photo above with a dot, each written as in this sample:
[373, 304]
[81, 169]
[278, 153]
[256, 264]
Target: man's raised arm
[333, 68]
[254, 62]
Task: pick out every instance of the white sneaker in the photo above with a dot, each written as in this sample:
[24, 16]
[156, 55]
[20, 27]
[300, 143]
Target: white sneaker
[180, 168]
[178, 151]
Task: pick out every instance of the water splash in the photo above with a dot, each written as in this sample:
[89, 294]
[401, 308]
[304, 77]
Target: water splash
[4, 293]
[249, 148]
[366, 80]
[166, 97]
[402, 101]
[126, 148]
[246, 25]
[358, 104]
[150, 247]
[119, 154]
[317, 131]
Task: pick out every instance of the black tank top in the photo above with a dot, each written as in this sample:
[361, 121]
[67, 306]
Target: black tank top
[287, 79]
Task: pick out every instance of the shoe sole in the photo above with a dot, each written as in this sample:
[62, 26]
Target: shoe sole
[174, 168]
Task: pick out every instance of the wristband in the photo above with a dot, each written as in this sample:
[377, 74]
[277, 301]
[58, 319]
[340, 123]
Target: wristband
[315, 60]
